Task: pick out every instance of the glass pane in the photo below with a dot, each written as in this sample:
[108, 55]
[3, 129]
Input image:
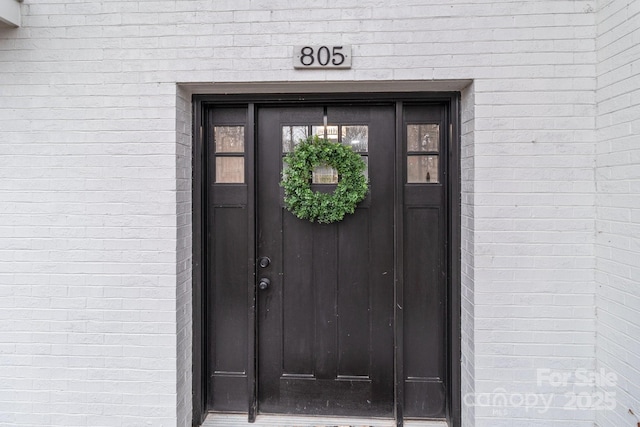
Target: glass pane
[357, 137]
[317, 130]
[366, 169]
[329, 132]
[324, 174]
[423, 137]
[229, 139]
[422, 169]
[230, 169]
[291, 136]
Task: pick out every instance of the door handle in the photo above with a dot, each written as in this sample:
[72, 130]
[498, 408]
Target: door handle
[264, 283]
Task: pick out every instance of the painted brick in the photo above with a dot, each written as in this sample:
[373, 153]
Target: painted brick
[95, 167]
[617, 296]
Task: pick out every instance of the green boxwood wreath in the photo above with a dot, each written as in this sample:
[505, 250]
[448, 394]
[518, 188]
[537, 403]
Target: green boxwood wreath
[314, 206]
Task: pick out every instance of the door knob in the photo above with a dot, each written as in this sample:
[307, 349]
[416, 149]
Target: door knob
[264, 283]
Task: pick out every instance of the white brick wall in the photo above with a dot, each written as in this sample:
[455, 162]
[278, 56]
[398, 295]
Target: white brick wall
[467, 251]
[184, 250]
[95, 203]
[618, 208]
[88, 227]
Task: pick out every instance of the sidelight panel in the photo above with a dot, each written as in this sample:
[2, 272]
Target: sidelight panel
[228, 252]
[424, 329]
[424, 264]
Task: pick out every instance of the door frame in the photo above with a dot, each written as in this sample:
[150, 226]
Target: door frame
[451, 103]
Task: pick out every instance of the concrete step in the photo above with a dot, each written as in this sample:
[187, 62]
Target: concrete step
[237, 420]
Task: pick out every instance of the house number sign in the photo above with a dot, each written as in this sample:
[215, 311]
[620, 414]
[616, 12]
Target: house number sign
[322, 56]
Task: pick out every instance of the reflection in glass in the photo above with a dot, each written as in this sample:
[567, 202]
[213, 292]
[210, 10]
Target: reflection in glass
[229, 139]
[329, 132]
[423, 137]
[422, 169]
[357, 137]
[229, 169]
[366, 169]
[324, 174]
[291, 136]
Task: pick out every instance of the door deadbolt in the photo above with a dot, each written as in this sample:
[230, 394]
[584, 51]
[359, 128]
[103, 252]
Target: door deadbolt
[264, 262]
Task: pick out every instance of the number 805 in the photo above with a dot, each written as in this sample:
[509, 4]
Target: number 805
[322, 56]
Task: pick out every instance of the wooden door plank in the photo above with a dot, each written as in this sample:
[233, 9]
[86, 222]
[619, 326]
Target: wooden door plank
[324, 264]
[354, 298]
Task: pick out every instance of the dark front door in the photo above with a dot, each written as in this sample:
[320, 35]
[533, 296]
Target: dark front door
[325, 323]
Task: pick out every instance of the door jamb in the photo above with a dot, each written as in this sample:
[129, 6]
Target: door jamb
[252, 344]
[453, 321]
[399, 272]
[454, 240]
[198, 271]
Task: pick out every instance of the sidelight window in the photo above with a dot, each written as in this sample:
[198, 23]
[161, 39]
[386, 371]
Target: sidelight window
[423, 153]
[229, 152]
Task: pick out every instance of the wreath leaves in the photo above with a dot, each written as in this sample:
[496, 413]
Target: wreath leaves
[314, 206]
